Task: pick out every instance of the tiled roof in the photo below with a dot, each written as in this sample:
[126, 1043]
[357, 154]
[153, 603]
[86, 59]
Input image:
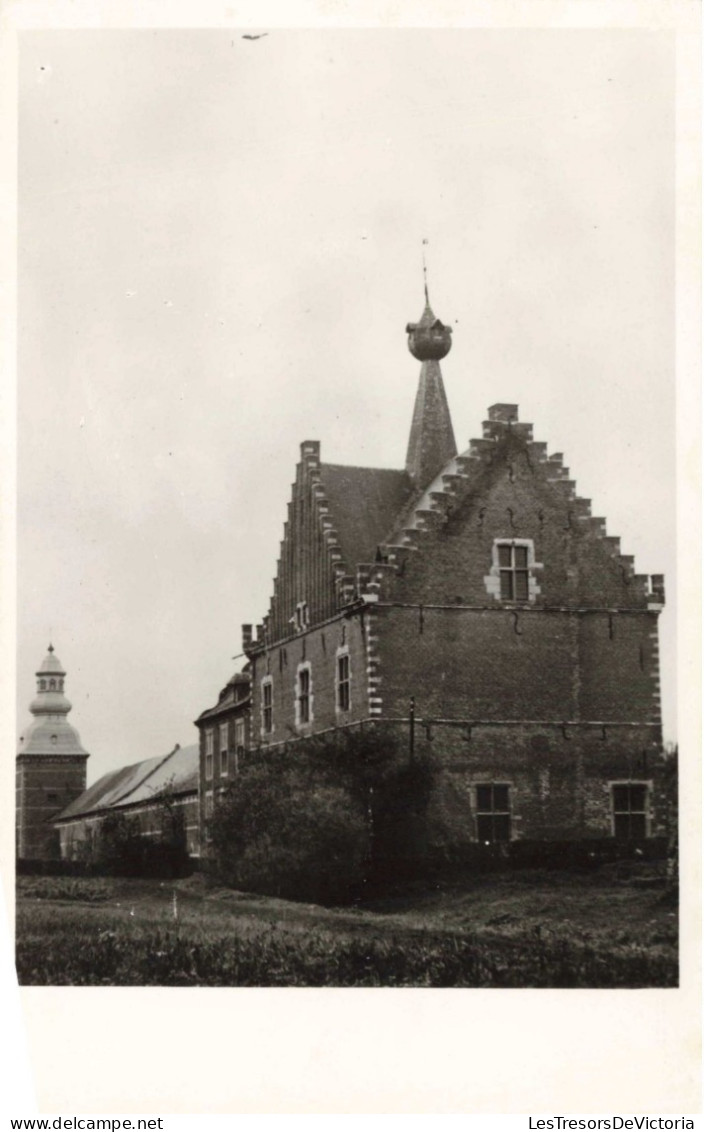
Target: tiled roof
[177, 772]
[364, 505]
[138, 782]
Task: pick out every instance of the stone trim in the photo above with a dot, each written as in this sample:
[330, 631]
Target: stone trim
[492, 580]
[304, 666]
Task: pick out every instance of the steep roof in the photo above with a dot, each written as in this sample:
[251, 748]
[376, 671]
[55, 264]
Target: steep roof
[364, 504]
[139, 782]
[431, 443]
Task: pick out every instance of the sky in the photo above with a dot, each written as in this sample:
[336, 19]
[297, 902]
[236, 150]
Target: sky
[219, 248]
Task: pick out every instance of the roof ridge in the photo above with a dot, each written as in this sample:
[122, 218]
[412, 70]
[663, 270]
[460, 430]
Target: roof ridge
[363, 468]
[121, 797]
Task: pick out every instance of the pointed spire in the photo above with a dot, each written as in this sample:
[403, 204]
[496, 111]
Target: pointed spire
[431, 444]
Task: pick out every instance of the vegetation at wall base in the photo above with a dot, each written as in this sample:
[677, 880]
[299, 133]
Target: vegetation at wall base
[315, 821]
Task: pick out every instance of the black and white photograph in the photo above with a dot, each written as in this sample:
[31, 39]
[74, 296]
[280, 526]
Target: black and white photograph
[347, 505]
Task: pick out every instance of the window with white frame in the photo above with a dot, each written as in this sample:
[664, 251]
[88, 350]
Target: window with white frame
[493, 812]
[513, 571]
[513, 575]
[223, 748]
[239, 736]
[629, 802]
[267, 705]
[342, 698]
[304, 695]
[209, 752]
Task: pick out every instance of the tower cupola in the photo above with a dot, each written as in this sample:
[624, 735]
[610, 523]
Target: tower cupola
[50, 732]
[51, 765]
[429, 339]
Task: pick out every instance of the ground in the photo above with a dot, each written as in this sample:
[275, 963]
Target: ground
[613, 927]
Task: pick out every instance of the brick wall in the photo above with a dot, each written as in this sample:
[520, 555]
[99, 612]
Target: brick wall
[45, 786]
[499, 664]
[319, 647]
[580, 647]
[213, 783]
[78, 835]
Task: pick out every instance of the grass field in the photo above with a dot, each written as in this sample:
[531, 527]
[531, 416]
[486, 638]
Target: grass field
[523, 929]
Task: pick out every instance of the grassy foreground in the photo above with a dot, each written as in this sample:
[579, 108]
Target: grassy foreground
[519, 930]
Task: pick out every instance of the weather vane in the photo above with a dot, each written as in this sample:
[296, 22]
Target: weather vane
[425, 273]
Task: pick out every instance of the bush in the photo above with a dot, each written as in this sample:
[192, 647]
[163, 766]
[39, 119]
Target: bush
[122, 850]
[317, 821]
[83, 889]
[274, 835]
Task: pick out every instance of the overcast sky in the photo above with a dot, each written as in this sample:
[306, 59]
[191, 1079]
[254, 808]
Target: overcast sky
[219, 248]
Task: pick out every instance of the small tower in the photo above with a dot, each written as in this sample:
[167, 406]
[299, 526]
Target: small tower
[431, 444]
[51, 765]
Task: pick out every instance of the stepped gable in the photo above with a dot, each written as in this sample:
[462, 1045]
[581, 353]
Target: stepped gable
[507, 448]
[337, 516]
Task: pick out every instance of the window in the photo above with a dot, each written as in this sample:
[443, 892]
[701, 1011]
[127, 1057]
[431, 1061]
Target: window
[239, 736]
[209, 804]
[52, 685]
[42, 685]
[223, 748]
[304, 695]
[343, 682]
[513, 571]
[629, 800]
[209, 750]
[513, 574]
[267, 705]
[493, 813]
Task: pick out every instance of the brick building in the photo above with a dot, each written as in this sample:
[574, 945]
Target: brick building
[469, 604]
[50, 766]
[224, 736]
[147, 794]
[478, 588]
[56, 816]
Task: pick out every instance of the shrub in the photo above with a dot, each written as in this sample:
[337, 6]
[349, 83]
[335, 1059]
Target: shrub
[123, 850]
[319, 819]
[83, 889]
[273, 834]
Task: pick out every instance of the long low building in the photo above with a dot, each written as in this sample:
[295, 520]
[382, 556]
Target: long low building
[140, 792]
